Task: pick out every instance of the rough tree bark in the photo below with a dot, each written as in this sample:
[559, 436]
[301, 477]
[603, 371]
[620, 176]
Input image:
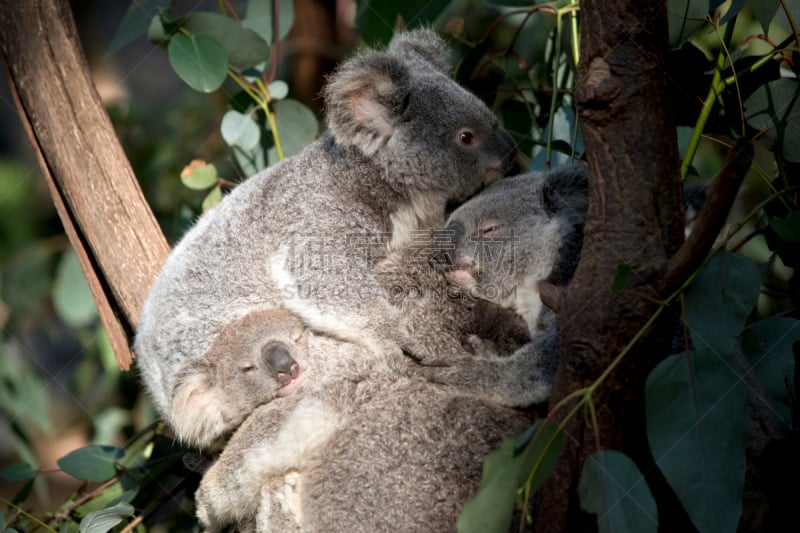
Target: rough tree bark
[118, 242]
[636, 219]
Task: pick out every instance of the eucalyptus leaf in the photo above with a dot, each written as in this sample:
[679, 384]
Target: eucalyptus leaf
[213, 197]
[278, 90]
[124, 489]
[93, 462]
[199, 175]
[504, 472]
[720, 299]
[18, 472]
[774, 108]
[259, 18]
[239, 129]
[200, 61]
[102, 521]
[764, 11]
[767, 345]
[245, 47]
[72, 297]
[297, 127]
[696, 414]
[787, 228]
[136, 21]
[734, 9]
[613, 488]
[685, 18]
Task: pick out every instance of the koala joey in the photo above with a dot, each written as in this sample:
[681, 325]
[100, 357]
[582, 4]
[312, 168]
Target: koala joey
[403, 140]
[499, 246]
[251, 362]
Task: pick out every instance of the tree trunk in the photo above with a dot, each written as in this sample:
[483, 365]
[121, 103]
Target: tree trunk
[118, 242]
[635, 219]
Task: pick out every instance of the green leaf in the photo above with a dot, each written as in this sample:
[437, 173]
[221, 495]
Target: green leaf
[102, 521]
[697, 427]
[787, 228]
[72, 297]
[136, 21]
[18, 472]
[783, 21]
[258, 18]
[774, 108]
[93, 463]
[239, 129]
[504, 472]
[767, 345]
[613, 488]
[212, 198]
[199, 175]
[278, 90]
[245, 47]
[297, 127]
[123, 490]
[720, 299]
[200, 61]
[23, 394]
[764, 11]
[685, 18]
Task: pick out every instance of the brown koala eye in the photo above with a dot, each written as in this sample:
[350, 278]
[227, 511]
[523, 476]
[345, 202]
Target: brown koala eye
[466, 137]
[249, 368]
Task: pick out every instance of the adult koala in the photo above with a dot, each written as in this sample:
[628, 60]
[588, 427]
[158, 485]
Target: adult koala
[404, 139]
[379, 450]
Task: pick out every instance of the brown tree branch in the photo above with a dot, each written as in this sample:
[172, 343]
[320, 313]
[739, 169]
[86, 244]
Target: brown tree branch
[118, 242]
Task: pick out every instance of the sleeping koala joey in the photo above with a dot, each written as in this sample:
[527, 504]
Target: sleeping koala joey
[251, 362]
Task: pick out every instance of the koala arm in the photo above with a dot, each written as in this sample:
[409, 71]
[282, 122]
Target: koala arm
[272, 440]
[521, 379]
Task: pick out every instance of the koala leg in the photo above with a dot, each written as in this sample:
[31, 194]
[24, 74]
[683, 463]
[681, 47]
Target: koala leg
[521, 379]
[271, 441]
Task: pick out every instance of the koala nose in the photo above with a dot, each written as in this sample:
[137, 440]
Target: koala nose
[447, 240]
[280, 363]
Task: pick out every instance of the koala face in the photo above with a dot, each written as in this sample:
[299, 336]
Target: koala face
[518, 232]
[253, 360]
[401, 109]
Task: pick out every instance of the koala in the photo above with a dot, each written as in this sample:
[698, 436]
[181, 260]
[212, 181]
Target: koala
[398, 451]
[498, 247]
[403, 140]
[251, 362]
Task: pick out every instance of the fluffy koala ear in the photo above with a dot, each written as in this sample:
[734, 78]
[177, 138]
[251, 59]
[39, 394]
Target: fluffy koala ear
[566, 188]
[195, 414]
[424, 44]
[365, 100]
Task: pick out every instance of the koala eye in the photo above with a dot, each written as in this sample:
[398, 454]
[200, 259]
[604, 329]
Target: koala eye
[466, 137]
[487, 230]
[249, 368]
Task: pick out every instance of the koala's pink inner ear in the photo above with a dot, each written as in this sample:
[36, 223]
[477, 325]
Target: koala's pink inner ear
[367, 103]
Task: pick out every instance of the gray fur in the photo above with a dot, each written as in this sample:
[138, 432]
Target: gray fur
[377, 449]
[304, 234]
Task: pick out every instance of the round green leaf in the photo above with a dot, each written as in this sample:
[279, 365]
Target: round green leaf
[258, 18]
[136, 21]
[239, 129]
[278, 90]
[775, 108]
[18, 472]
[199, 175]
[696, 415]
[297, 127]
[245, 47]
[102, 521]
[685, 17]
[93, 463]
[200, 61]
[212, 198]
[72, 297]
[613, 488]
